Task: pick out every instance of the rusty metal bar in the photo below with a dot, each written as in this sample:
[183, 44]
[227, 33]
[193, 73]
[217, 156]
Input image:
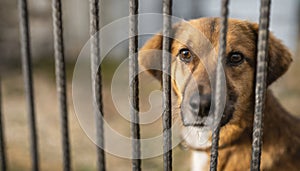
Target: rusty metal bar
[217, 107]
[261, 84]
[60, 72]
[28, 80]
[134, 84]
[2, 135]
[166, 80]
[97, 81]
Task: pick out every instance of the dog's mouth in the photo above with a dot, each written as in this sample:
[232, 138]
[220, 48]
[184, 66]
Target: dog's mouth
[197, 135]
[195, 125]
[199, 122]
[208, 121]
[197, 129]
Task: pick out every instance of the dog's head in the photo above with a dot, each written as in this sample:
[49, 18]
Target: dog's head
[194, 49]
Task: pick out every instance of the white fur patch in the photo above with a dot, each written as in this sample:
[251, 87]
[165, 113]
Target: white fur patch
[200, 161]
[197, 138]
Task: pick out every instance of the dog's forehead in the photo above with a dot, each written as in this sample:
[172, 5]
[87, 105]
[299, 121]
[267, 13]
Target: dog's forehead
[190, 35]
[203, 33]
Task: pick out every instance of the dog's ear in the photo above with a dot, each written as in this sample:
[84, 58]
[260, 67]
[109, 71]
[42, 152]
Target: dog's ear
[150, 56]
[279, 57]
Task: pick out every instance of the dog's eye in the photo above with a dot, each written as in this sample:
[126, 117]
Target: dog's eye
[185, 55]
[235, 58]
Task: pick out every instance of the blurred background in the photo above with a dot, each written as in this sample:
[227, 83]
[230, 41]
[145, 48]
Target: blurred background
[284, 24]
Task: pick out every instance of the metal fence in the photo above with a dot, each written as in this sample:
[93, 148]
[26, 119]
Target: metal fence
[134, 90]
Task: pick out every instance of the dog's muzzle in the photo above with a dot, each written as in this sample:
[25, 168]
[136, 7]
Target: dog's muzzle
[195, 110]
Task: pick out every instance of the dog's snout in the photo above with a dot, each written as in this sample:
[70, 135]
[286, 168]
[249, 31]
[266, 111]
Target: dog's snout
[200, 104]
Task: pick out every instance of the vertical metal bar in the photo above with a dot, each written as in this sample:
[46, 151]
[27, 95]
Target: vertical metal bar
[60, 72]
[97, 81]
[2, 136]
[28, 80]
[166, 78]
[134, 84]
[217, 107]
[260, 88]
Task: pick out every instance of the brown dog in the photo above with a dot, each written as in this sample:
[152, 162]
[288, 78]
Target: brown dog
[194, 48]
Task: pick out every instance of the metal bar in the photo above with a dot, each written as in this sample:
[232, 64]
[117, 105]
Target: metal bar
[222, 54]
[97, 81]
[260, 88]
[166, 79]
[60, 72]
[134, 84]
[28, 80]
[2, 136]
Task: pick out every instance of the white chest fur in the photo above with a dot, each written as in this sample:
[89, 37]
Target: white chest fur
[199, 161]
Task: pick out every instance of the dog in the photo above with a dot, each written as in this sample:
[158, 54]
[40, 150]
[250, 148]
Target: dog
[194, 49]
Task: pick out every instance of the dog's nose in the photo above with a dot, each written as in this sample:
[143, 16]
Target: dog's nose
[200, 104]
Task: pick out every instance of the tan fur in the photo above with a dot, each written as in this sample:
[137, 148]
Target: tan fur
[281, 141]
